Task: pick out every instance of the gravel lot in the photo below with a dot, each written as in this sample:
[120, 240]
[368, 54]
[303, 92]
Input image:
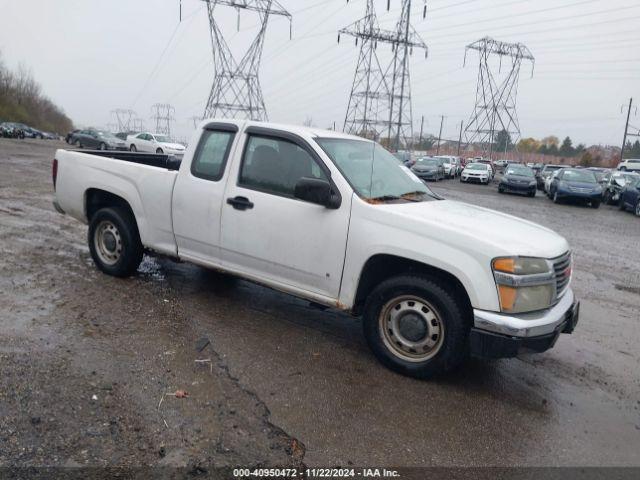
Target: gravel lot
[86, 359]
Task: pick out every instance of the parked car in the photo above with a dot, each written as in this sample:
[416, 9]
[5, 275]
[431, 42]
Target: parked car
[337, 220]
[518, 179]
[501, 165]
[476, 172]
[98, 139]
[630, 196]
[492, 168]
[10, 130]
[406, 158]
[576, 184]
[630, 164]
[69, 136]
[548, 180]
[451, 165]
[429, 168]
[50, 136]
[613, 183]
[546, 171]
[154, 143]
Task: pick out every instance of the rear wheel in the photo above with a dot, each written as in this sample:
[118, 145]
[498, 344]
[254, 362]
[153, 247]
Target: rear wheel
[159, 150]
[78, 144]
[637, 210]
[103, 146]
[114, 242]
[415, 327]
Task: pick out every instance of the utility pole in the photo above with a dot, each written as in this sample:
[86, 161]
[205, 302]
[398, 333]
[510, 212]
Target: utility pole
[440, 134]
[460, 137]
[626, 130]
[421, 128]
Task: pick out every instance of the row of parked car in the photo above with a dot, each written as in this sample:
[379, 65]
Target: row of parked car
[20, 130]
[132, 141]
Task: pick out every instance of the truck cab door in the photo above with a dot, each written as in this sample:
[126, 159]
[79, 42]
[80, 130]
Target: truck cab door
[267, 233]
[198, 195]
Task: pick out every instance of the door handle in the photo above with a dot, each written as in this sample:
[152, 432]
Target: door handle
[240, 203]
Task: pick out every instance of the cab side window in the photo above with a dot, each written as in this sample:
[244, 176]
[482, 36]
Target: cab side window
[211, 155]
[275, 165]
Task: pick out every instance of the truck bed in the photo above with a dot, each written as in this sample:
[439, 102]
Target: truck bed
[145, 181]
[169, 162]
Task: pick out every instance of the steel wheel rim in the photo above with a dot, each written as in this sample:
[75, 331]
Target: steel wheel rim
[411, 328]
[108, 243]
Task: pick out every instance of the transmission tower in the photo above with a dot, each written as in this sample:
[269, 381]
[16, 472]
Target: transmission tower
[137, 124]
[196, 120]
[163, 114]
[124, 118]
[236, 91]
[380, 99]
[496, 92]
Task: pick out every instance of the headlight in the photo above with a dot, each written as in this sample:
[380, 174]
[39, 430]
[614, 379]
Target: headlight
[525, 284]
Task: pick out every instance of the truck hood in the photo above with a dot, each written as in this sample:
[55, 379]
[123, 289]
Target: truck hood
[469, 224]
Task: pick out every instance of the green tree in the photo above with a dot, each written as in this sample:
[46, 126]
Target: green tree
[503, 141]
[553, 149]
[635, 150]
[566, 149]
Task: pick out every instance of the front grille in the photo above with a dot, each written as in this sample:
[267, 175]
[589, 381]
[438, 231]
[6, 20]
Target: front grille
[562, 269]
[580, 189]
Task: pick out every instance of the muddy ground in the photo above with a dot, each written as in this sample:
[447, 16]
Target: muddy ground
[87, 360]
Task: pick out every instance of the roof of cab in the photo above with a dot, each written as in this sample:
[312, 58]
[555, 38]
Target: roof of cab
[314, 132]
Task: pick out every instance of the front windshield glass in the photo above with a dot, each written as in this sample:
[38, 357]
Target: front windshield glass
[373, 172]
[477, 166]
[579, 176]
[429, 161]
[162, 139]
[523, 171]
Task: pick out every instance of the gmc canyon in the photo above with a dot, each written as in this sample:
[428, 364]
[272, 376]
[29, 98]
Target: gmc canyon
[336, 220]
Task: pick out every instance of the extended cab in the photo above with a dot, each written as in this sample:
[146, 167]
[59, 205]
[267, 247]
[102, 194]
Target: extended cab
[336, 220]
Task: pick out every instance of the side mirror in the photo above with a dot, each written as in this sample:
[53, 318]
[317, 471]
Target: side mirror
[317, 190]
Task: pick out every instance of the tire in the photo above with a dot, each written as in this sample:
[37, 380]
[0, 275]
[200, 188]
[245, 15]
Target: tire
[623, 169]
[595, 204]
[103, 146]
[555, 197]
[606, 198]
[637, 209]
[442, 332]
[500, 190]
[114, 242]
[159, 150]
[133, 148]
[78, 144]
[621, 205]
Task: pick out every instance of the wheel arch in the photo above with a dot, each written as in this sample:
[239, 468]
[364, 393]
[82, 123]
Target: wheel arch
[380, 267]
[96, 199]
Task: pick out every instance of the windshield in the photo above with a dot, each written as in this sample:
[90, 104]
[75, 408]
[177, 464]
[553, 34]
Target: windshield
[373, 172]
[477, 166]
[579, 176]
[429, 161]
[162, 139]
[525, 172]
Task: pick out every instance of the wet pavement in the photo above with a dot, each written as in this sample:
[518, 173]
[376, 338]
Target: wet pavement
[282, 383]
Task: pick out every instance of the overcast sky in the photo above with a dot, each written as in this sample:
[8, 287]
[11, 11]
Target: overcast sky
[92, 56]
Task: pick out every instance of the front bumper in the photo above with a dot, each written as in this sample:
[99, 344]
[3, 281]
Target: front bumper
[579, 195]
[470, 178]
[426, 173]
[517, 187]
[497, 335]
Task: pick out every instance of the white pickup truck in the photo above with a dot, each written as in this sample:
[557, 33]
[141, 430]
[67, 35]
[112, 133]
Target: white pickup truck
[338, 221]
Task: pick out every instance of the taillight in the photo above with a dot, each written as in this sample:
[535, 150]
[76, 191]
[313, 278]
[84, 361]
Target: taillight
[54, 172]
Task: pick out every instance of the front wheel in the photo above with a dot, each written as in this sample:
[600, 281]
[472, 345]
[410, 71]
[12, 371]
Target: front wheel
[103, 146]
[595, 204]
[637, 210]
[114, 242]
[555, 197]
[133, 148]
[159, 150]
[78, 144]
[415, 327]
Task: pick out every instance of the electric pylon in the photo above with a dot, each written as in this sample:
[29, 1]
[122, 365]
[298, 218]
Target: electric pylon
[380, 100]
[496, 93]
[124, 118]
[163, 114]
[236, 91]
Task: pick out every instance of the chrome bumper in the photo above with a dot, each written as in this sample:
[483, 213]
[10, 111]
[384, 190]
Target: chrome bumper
[525, 324]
